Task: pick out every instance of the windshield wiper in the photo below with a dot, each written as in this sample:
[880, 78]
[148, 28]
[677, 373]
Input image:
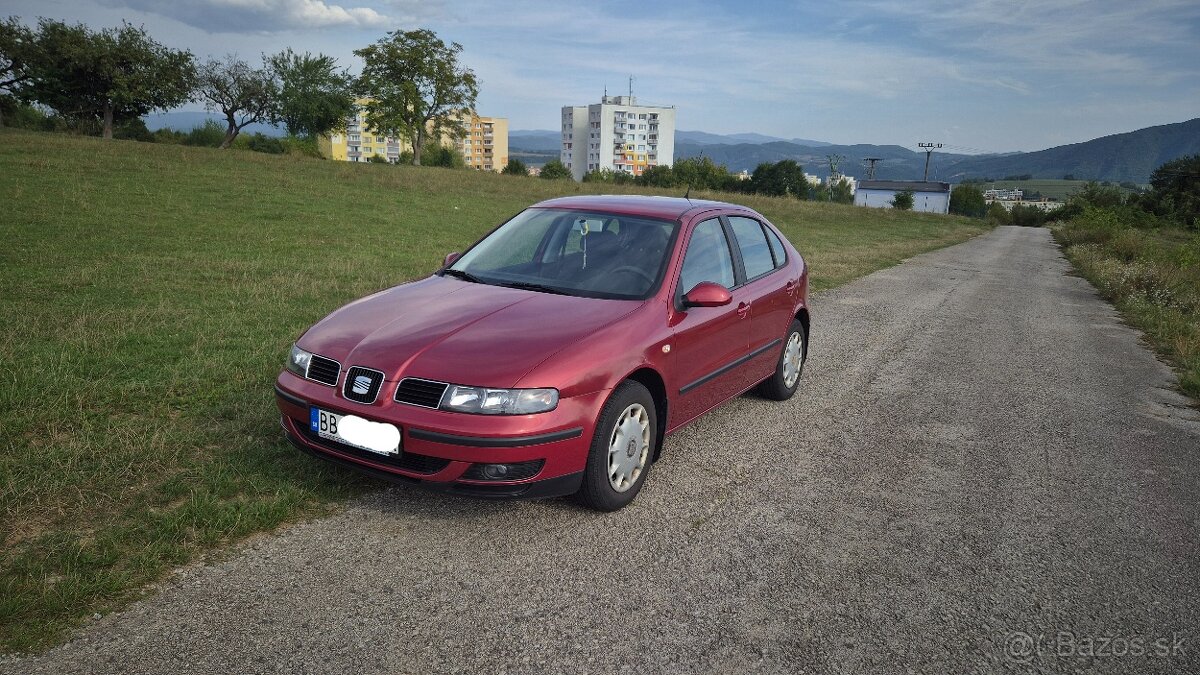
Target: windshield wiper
[528, 286]
[465, 276]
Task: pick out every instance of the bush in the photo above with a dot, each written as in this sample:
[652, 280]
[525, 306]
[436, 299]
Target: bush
[968, 200]
[207, 135]
[22, 116]
[1027, 216]
[555, 170]
[903, 200]
[378, 159]
[996, 213]
[443, 156]
[262, 143]
[657, 176]
[604, 175]
[303, 146]
[515, 167]
[171, 136]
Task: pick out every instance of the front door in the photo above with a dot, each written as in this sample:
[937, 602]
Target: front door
[710, 342]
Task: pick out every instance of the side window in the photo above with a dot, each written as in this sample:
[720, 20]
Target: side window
[777, 248]
[756, 252]
[707, 258]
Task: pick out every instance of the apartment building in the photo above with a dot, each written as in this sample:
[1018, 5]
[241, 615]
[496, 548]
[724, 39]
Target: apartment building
[485, 146]
[617, 134]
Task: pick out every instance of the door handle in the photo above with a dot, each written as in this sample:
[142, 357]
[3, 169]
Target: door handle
[790, 287]
[743, 308]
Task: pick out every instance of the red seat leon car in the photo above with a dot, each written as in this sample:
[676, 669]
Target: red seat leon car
[555, 355]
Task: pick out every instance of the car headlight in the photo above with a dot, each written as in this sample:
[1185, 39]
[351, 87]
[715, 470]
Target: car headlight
[298, 361]
[484, 401]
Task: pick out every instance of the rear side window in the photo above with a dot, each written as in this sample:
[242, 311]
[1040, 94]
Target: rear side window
[756, 252]
[777, 248]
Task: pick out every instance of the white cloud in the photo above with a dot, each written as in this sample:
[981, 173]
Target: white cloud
[269, 16]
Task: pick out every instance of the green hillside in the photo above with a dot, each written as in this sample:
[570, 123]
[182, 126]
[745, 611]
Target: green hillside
[150, 294]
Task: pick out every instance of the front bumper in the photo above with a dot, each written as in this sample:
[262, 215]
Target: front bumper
[445, 451]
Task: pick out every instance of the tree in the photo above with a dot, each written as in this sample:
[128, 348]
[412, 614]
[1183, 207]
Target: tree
[903, 200]
[701, 173]
[244, 95]
[555, 170]
[1175, 191]
[19, 52]
[842, 192]
[515, 167]
[417, 87]
[968, 200]
[113, 75]
[314, 97]
[781, 179]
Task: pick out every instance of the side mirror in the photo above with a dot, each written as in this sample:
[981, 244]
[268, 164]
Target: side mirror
[450, 258]
[707, 294]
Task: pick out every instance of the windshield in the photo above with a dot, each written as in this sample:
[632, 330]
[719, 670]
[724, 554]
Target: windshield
[583, 253]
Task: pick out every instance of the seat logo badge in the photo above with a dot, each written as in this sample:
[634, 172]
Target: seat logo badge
[362, 384]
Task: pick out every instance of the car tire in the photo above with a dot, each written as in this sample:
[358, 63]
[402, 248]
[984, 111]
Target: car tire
[786, 378]
[622, 449]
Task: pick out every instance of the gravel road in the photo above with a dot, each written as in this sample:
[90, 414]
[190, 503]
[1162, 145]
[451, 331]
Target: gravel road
[984, 471]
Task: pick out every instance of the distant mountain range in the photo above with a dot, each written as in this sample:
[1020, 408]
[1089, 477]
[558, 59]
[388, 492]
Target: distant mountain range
[1129, 156]
[544, 140]
[1123, 157]
[186, 121]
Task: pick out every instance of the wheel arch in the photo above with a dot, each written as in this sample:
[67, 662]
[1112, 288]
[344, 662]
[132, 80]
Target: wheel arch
[653, 382]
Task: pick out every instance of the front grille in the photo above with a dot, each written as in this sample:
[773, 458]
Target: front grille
[409, 461]
[323, 370]
[362, 384]
[425, 393]
[518, 471]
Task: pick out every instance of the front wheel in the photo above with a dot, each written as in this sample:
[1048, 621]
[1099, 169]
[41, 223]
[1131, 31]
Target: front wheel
[783, 383]
[622, 446]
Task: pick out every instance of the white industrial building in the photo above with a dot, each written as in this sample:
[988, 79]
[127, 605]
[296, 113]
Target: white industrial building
[928, 196]
[617, 134]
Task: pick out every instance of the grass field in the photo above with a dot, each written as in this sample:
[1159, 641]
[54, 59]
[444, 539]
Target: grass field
[1151, 275]
[149, 295]
[1057, 189]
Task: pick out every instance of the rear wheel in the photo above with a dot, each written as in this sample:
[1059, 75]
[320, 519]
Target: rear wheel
[786, 378]
[622, 446]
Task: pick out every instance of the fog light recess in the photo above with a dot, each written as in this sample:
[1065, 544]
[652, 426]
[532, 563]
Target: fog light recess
[502, 472]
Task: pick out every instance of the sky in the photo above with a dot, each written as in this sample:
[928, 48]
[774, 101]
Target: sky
[974, 75]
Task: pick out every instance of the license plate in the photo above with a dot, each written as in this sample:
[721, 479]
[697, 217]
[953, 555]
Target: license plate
[378, 437]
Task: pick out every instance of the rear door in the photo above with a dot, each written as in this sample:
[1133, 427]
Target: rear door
[767, 291]
[710, 342]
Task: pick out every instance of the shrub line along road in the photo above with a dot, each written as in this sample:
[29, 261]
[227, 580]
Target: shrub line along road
[980, 452]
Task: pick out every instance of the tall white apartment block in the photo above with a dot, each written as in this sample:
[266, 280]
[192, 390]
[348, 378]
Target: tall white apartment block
[617, 134]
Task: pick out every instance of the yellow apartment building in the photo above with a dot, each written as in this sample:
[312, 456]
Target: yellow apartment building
[485, 147]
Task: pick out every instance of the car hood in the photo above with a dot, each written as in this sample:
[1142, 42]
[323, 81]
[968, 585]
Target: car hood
[456, 331]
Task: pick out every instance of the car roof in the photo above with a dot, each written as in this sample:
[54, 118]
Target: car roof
[642, 205]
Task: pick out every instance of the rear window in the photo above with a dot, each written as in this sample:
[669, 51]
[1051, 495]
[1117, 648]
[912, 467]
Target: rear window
[756, 252]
